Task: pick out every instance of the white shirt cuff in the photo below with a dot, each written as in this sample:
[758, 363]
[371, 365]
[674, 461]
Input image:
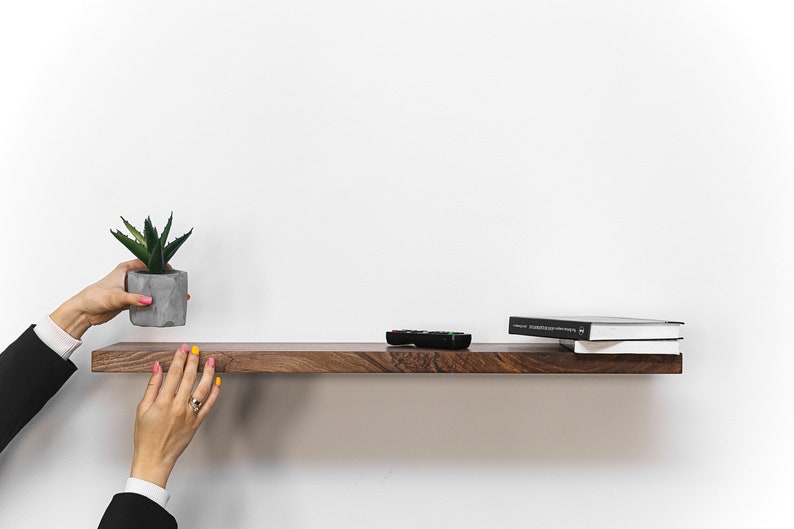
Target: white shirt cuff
[56, 338]
[155, 493]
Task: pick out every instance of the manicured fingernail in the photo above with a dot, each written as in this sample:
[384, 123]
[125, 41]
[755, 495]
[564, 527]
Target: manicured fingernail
[218, 381]
[211, 362]
[195, 350]
[184, 348]
[188, 297]
[155, 366]
[145, 300]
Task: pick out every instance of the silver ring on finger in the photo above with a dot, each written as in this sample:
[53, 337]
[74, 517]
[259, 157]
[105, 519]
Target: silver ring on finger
[194, 404]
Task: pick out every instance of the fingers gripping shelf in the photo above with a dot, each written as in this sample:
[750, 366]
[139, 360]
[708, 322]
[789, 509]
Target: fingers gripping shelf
[235, 357]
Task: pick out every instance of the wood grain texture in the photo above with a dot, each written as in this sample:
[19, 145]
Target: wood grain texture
[232, 357]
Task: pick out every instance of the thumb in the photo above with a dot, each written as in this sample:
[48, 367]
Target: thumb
[136, 300]
[152, 388]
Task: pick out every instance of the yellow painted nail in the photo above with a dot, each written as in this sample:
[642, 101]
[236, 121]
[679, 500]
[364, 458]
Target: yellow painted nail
[195, 350]
[218, 381]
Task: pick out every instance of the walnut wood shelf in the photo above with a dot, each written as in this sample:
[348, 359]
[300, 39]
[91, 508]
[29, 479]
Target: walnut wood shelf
[231, 357]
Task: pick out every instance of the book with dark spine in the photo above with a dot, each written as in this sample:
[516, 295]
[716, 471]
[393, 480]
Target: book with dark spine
[595, 328]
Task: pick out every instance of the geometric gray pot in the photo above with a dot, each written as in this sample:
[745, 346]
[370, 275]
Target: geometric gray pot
[169, 298]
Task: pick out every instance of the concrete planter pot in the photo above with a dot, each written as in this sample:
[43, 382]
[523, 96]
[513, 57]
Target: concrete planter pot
[169, 298]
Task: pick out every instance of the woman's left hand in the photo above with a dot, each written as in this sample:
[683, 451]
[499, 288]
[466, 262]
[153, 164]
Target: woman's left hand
[167, 417]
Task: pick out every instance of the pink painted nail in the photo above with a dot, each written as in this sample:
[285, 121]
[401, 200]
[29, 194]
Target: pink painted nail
[155, 366]
[184, 348]
[211, 362]
[145, 300]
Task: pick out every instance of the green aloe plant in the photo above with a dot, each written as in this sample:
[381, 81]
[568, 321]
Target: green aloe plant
[149, 247]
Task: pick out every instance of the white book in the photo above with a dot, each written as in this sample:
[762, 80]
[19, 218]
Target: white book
[623, 346]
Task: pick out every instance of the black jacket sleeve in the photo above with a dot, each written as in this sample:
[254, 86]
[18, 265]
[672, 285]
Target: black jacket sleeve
[30, 374]
[133, 511]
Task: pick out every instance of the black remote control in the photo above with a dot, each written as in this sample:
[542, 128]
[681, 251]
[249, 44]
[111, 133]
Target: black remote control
[429, 339]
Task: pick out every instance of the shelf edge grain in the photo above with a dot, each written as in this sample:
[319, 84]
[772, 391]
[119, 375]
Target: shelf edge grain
[510, 358]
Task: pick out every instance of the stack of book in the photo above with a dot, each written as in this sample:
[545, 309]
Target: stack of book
[596, 334]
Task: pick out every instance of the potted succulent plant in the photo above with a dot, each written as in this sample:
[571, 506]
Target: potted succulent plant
[167, 287]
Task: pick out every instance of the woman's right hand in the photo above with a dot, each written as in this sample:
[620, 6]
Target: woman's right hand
[100, 302]
[165, 420]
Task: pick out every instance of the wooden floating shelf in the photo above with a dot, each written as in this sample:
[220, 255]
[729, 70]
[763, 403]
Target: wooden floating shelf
[232, 357]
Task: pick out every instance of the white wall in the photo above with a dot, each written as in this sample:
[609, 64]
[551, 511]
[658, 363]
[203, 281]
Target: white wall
[353, 166]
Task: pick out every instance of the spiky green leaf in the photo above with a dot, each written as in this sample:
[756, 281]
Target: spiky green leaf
[137, 249]
[156, 263]
[150, 232]
[134, 231]
[173, 246]
[166, 231]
